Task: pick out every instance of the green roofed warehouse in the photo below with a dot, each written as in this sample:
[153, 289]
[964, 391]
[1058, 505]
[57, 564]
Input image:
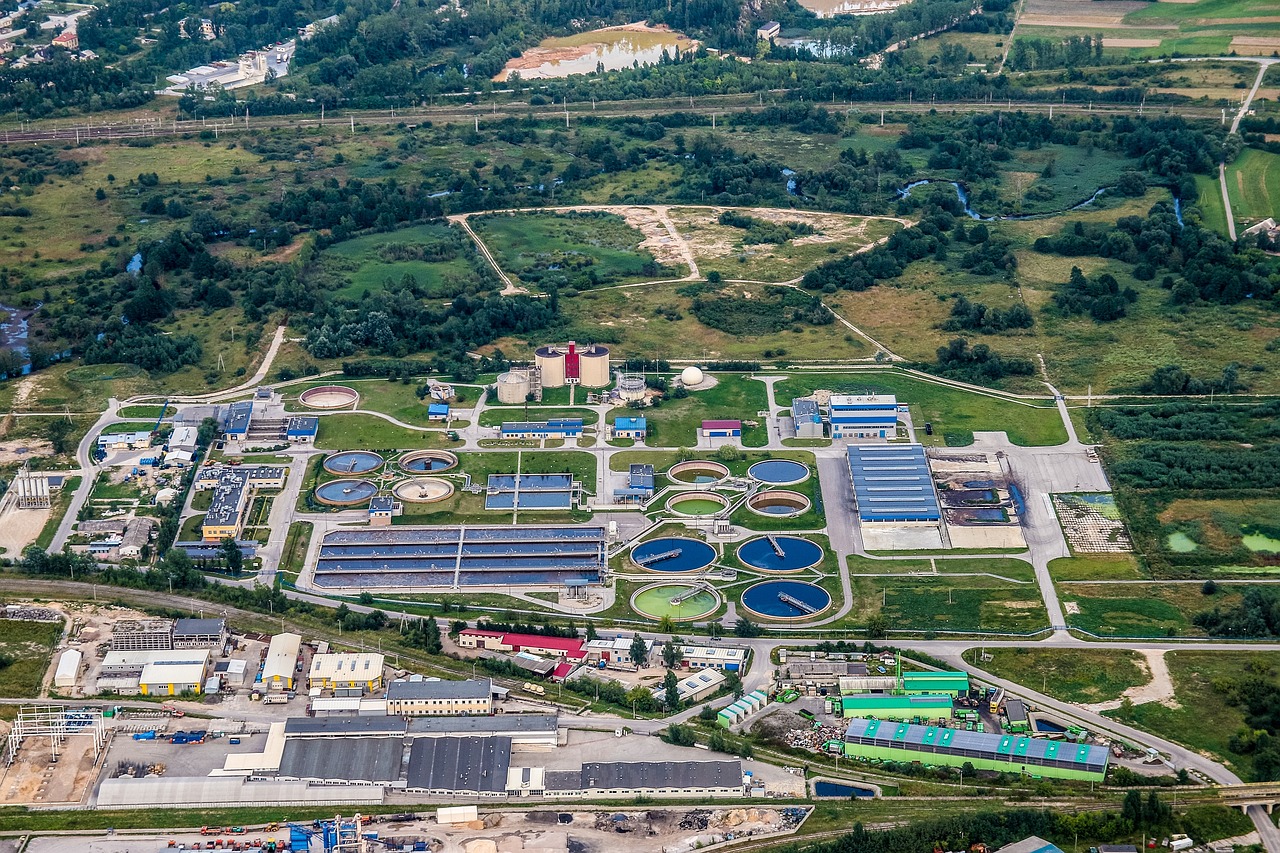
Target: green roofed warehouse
[931, 745]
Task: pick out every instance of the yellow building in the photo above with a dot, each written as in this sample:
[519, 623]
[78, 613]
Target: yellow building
[232, 487]
[281, 663]
[175, 676]
[349, 670]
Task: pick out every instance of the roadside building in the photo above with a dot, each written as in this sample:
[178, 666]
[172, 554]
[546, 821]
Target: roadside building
[1017, 721]
[571, 648]
[616, 650]
[233, 486]
[183, 438]
[727, 658]
[710, 779]
[769, 30]
[437, 411]
[526, 731]
[806, 420]
[125, 440]
[953, 683]
[235, 421]
[346, 672]
[439, 698]
[280, 665]
[696, 687]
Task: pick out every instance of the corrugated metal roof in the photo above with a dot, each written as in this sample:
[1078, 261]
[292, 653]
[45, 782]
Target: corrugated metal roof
[476, 764]
[892, 483]
[914, 739]
[366, 759]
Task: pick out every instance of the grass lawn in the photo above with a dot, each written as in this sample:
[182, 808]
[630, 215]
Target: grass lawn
[1205, 721]
[1253, 183]
[955, 414]
[950, 604]
[367, 262]
[1055, 177]
[1013, 569]
[675, 423]
[25, 651]
[1095, 567]
[381, 395]
[493, 418]
[1213, 214]
[1141, 610]
[369, 432]
[146, 411]
[1072, 675]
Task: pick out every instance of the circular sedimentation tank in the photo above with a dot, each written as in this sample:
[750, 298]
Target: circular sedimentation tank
[352, 462]
[673, 554]
[797, 554]
[698, 472]
[346, 492]
[679, 601]
[423, 490]
[428, 461]
[779, 472]
[785, 600]
[778, 503]
[329, 397]
[697, 503]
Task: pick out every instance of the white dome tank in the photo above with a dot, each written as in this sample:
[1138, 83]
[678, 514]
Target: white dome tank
[691, 376]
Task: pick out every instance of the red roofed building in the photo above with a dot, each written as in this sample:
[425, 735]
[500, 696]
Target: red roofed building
[721, 429]
[67, 39]
[561, 672]
[571, 648]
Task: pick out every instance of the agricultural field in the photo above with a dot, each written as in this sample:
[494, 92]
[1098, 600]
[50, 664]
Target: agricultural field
[1148, 30]
[1203, 684]
[955, 414]
[1141, 609]
[1253, 184]
[1076, 675]
[437, 256]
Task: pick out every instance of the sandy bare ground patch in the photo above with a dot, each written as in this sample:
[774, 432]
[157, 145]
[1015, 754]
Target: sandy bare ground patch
[1255, 45]
[709, 240]
[20, 527]
[1158, 689]
[20, 451]
[1113, 42]
[659, 240]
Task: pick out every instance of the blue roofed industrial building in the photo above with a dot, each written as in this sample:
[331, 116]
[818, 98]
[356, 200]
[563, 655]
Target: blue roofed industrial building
[302, 430]
[437, 411]
[554, 428]
[864, 416]
[235, 423]
[892, 483]
[630, 428]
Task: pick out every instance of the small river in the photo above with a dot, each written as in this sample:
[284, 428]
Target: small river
[963, 195]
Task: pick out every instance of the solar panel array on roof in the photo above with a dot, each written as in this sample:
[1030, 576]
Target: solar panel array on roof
[917, 741]
[892, 483]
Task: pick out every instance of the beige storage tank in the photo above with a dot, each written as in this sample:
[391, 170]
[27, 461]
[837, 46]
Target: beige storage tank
[550, 361]
[514, 387]
[631, 386]
[593, 366]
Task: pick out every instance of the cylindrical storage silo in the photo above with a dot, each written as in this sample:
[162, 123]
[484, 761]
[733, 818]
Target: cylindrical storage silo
[594, 366]
[550, 361]
[513, 387]
[631, 386]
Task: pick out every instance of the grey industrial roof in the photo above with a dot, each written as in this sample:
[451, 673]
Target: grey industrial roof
[641, 775]
[891, 482]
[1030, 844]
[915, 740]
[382, 503]
[502, 724]
[1016, 711]
[439, 689]
[563, 780]
[801, 406]
[190, 627]
[365, 759]
[460, 764]
[344, 727]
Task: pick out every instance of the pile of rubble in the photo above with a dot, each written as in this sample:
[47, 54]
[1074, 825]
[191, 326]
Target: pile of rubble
[27, 613]
[811, 738]
[695, 821]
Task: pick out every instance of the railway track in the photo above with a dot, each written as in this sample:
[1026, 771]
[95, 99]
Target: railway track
[358, 121]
